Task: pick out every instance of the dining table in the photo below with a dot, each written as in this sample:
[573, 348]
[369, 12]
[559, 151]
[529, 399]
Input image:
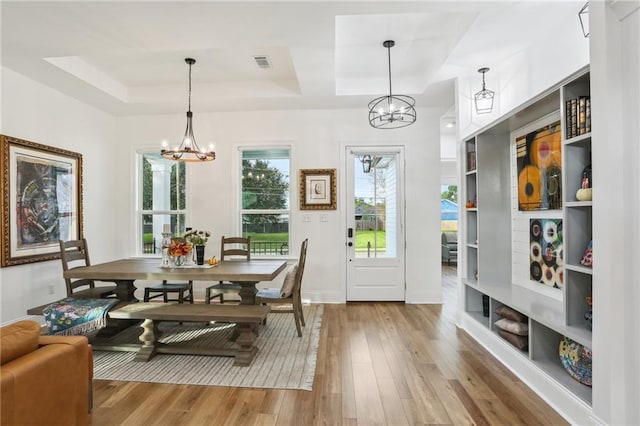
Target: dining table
[124, 273]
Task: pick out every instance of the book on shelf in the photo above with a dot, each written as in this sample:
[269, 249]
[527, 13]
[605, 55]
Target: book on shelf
[577, 116]
[471, 161]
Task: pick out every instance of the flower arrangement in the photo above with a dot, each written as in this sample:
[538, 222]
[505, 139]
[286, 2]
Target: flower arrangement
[179, 249]
[197, 237]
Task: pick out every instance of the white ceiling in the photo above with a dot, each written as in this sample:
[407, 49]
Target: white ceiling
[128, 57]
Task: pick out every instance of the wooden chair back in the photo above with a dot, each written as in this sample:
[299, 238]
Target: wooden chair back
[229, 247]
[75, 254]
[300, 271]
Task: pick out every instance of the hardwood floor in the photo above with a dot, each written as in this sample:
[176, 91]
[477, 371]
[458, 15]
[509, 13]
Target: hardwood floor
[378, 364]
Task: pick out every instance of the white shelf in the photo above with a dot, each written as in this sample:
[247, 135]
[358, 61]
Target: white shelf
[471, 209]
[557, 372]
[580, 204]
[471, 172]
[470, 282]
[473, 246]
[579, 268]
[579, 140]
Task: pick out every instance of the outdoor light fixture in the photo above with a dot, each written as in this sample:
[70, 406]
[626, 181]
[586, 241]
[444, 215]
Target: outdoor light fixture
[484, 98]
[391, 111]
[583, 15]
[188, 149]
[368, 162]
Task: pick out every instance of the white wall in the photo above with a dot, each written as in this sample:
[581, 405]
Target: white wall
[615, 94]
[316, 138]
[37, 113]
[556, 55]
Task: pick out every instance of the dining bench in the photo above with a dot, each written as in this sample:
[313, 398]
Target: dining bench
[246, 317]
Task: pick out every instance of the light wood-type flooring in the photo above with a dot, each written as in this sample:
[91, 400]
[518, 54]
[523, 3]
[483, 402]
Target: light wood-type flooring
[378, 364]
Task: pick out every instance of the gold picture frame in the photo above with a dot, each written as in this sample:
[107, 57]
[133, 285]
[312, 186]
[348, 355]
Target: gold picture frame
[318, 189]
[41, 200]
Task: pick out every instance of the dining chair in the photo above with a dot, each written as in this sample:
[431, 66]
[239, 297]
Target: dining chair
[75, 254]
[184, 291]
[164, 289]
[231, 248]
[289, 293]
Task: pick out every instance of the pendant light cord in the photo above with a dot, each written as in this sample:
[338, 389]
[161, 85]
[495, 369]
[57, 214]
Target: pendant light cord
[389, 52]
[190, 87]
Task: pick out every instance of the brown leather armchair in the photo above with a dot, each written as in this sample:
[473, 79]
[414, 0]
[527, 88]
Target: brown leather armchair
[44, 379]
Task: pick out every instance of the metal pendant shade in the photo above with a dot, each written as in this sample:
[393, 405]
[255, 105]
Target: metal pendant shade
[188, 149]
[369, 162]
[391, 111]
[484, 98]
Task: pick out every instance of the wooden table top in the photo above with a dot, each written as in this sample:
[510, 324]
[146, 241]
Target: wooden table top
[150, 269]
[192, 312]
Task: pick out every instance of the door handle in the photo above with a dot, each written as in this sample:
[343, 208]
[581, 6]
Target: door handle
[350, 244]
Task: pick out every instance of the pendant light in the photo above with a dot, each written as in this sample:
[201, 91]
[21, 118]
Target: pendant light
[583, 15]
[484, 98]
[369, 162]
[391, 111]
[188, 149]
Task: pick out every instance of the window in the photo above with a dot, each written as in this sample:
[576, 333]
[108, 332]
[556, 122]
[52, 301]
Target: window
[265, 200]
[449, 207]
[161, 199]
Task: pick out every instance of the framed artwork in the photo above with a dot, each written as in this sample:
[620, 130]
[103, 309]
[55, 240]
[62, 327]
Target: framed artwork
[539, 163]
[41, 200]
[318, 189]
[546, 258]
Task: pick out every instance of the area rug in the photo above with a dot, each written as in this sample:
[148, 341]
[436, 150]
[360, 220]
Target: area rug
[284, 360]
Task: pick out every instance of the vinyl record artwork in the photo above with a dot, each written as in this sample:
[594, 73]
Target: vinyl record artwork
[546, 257]
[539, 160]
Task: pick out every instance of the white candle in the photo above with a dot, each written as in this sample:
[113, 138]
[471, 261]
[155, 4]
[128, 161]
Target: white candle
[167, 228]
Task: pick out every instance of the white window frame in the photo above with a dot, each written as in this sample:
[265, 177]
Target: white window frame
[288, 211]
[140, 213]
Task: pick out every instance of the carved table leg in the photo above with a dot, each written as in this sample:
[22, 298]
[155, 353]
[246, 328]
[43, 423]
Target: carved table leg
[247, 292]
[247, 351]
[125, 290]
[149, 339]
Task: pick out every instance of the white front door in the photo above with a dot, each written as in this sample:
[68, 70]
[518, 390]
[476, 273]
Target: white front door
[375, 224]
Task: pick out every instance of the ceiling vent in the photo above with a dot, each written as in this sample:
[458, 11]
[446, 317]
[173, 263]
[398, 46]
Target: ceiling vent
[262, 61]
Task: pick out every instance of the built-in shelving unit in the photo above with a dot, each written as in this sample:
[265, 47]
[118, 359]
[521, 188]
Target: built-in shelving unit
[487, 268]
[471, 213]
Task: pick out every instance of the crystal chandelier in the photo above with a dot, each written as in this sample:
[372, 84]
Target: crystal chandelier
[188, 149]
[391, 111]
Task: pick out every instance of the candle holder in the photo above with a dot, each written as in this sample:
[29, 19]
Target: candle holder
[166, 242]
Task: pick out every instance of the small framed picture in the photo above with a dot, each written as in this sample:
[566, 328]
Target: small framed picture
[318, 189]
[41, 200]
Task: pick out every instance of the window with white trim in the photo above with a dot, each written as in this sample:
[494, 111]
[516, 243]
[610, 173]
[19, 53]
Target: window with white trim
[161, 200]
[265, 195]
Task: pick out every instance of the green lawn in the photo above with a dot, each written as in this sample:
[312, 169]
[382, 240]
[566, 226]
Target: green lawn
[278, 237]
[363, 236]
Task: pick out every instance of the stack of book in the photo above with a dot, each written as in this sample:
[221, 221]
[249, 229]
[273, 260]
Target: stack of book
[471, 161]
[578, 116]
